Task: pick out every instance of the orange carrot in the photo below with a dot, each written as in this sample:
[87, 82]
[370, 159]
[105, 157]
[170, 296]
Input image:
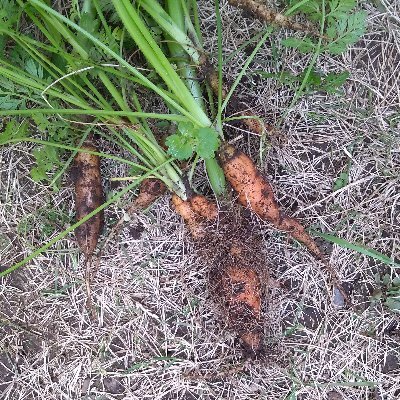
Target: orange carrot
[239, 289]
[233, 274]
[194, 220]
[256, 192]
[204, 207]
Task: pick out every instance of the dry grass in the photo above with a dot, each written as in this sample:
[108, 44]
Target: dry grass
[157, 335]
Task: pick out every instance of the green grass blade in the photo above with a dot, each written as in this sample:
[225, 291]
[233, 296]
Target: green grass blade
[357, 247]
[121, 60]
[101, 113]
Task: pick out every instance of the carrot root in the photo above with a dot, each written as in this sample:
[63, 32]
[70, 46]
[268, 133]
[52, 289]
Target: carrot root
[89, 196]
[267, 15]
[256, 192]
[150, 190]
[197, 212]
[234, 268]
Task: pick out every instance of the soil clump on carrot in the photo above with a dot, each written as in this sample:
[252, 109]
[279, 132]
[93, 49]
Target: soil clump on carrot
[238, 270]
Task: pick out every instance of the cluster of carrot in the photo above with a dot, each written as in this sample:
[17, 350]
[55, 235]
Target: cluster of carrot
[253, 191]
[238, 283]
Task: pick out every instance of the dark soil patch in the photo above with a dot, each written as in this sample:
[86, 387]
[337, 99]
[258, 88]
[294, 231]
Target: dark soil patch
[237, 274]
[391, 362]
[135, 231]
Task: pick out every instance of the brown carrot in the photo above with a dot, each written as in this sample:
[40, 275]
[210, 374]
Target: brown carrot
[204, 207]
[89, 196]
[150, 190]
[265, 14]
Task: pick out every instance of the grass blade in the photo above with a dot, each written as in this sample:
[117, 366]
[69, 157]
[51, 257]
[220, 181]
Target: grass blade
[357, 247]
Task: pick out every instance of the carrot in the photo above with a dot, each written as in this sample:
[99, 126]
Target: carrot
[89, 195]
[208, 71]
[257, 193]
[233, 268]
[238, 288]
[150, 190]
[265, 14]
[204, 207]
[194, 220]
[255, 125]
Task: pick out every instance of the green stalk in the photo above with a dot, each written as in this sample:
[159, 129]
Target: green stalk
[158, 61]
[219, 35]
[72, 148]
[187, 111]
[116, 95]
[101, 113]
[49, 67]
[309, 68]
[172, 24]
[22, 78]
[176, 50]
[215, 174]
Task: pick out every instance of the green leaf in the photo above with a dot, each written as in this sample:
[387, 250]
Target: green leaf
[334, 81]
[393, 303]
[179, 146]
[341, 181]
[357, 247]
[338, 7]
[186, 128]
[8, 103]
[312, 8]
[8, 132]
[208, 142]
[34, 69]
[315, 82]
[386, 279]
[6, 84]
[349, 28]
[41, 121]
[12, 131]
[303, 45]
[38, 174]
[396, 281]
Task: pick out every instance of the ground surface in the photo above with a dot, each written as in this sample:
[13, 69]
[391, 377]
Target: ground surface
[157, 334]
